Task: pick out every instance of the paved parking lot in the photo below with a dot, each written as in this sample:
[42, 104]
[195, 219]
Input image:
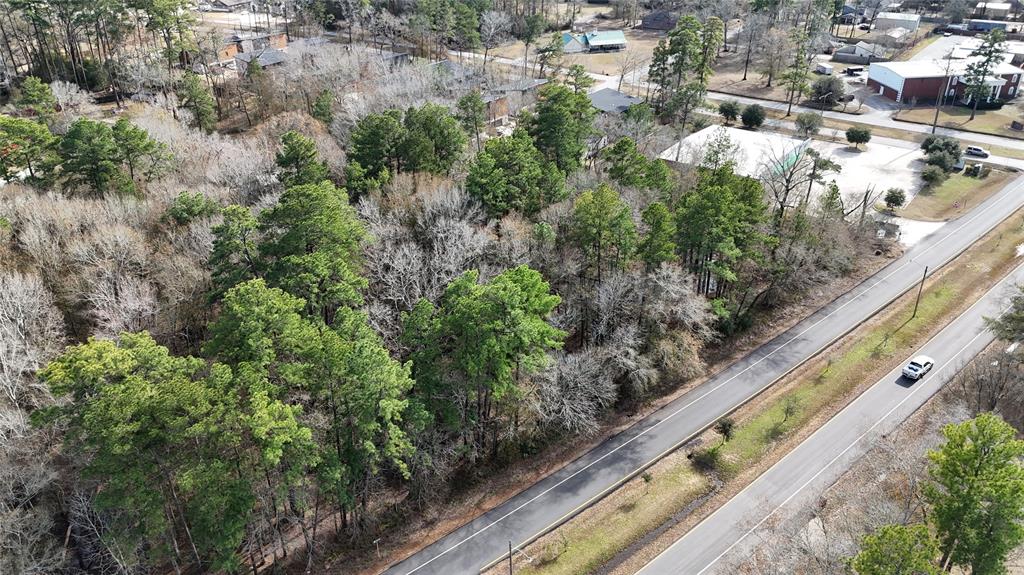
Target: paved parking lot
[938, 49]
[877, 165]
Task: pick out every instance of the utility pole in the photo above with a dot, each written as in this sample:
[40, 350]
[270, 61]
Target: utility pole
[941, 97]
[920, 288]
[509, 558]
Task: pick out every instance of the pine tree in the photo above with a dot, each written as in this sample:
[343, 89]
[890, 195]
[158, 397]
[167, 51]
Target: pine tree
[602, 227]
[322, 107]
[196, 98]
[472, 114]
[298, 161]
[897, 550]
[977, 493]
[24, 145]
[138, 151]
[657, 245]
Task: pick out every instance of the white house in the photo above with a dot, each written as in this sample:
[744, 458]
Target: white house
[993, 9]
[889, 20]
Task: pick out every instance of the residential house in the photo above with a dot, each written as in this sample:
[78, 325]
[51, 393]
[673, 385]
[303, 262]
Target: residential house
[861, 53]
[993, 10]
[659, 20]
[612, 101]
[599, 41]
[888, 20]
[267, 58]
[232, 5]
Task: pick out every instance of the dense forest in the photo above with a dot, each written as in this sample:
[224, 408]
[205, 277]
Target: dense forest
[249, 321]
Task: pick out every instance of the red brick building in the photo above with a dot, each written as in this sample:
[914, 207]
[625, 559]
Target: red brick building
[922, 81]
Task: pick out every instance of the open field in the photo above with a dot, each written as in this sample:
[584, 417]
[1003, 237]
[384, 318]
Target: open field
[954, 197]
[777, 421]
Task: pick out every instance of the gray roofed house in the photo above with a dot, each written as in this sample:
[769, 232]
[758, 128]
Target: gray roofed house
[612, 101]
[232, 5]
[266, 57]
[659, 20]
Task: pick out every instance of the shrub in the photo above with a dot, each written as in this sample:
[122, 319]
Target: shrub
[895, 198]
[730, 110]
[706, 459]
[942, 144]
[857, 135]
[941, 159]
[933, 175]
[808, 123]
[828, 91]
[188, 207]
[753, 116]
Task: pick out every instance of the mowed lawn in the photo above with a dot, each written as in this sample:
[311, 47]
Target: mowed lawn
[996, 122]
[956, 196]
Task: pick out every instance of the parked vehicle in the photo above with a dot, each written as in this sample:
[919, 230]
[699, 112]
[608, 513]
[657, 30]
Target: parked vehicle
[918, 366]
[976, 151]
[823, 68]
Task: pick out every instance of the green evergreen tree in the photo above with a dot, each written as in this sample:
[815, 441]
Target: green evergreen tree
[322, 107]
[562, 126]
[235, 257]
[897, 550]
[298, 161]
[373, 150]
[195, 96]
[472, 114]
[90, 158]
[433, 140]
[471, 351]
[36, 98]
[144, 156]
[602, 227]
[364, 394]
[977, 493]
[312, 248]
[511, 174]
[24, 145]
[658, 244]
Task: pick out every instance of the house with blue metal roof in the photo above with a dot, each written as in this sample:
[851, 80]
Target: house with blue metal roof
[598, 41]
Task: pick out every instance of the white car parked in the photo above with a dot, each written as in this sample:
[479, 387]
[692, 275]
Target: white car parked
[918, 366]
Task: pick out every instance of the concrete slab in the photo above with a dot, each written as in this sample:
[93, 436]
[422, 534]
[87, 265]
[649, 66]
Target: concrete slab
[877, 165]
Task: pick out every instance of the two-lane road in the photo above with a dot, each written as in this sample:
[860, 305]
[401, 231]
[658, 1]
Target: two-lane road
[804, 473]
[565, 492]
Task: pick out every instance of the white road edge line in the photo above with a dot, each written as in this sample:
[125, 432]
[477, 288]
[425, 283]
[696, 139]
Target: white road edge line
[855, 442]
[710, 391]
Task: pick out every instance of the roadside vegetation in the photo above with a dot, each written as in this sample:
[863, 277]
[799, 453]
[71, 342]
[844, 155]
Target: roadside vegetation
[765, 429]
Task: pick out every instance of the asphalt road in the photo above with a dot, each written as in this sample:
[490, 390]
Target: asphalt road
[565, 492]
[794, 483]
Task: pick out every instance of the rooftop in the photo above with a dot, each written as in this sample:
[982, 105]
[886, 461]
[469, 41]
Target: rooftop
[603, 37]
[612, 101]
[266, 57]
[993, 6]
[899, 16]
[937, 68]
